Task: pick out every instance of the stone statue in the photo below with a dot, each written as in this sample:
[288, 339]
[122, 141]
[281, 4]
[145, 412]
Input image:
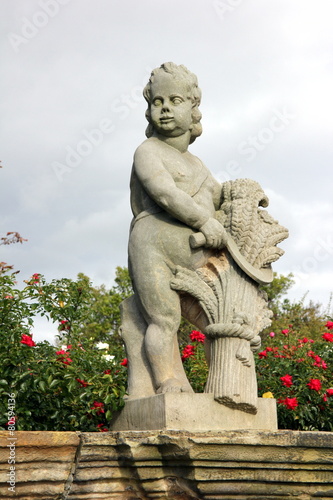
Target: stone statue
[196, 248]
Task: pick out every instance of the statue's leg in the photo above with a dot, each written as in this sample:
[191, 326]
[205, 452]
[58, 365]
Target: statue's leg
[133, 329]
[160, 306]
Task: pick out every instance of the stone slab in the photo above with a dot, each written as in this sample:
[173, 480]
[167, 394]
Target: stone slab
[192, 412]
[174, 465]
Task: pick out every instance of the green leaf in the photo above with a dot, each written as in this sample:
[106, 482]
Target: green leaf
[42, 385]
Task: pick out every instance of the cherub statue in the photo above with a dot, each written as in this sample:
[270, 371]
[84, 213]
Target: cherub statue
[173, 196]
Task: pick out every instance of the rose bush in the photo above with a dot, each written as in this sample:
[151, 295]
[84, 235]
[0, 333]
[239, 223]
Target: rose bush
[77, 386]
[298, 372]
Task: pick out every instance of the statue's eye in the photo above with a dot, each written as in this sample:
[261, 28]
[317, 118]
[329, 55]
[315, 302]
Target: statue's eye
[157, 102]
[177, 100]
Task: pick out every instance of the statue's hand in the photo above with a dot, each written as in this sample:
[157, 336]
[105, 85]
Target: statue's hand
[216, 235]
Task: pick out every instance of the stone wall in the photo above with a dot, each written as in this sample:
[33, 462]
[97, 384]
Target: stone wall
[174, 465]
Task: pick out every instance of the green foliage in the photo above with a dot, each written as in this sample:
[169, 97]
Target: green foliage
[104, 313]
[75, 387]
[276, 289]
[79, 384]
[306, 319]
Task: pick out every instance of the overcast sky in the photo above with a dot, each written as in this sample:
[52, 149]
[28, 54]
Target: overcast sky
[72, 114]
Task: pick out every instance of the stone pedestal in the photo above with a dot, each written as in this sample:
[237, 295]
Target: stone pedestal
[169, 465]
[192, 412]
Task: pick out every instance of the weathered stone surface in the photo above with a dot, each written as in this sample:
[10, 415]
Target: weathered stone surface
[192, 412]
[43, 463]
[176, 465]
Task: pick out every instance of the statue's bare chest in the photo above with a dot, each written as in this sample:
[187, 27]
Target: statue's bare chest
[183, 169]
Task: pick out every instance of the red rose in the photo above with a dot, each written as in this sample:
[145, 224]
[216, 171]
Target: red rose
[329, 325]
[124, 362]
[198, 336]
[262, 354]
[102, 428]
[82, 382]
[314, 384]
[99, 406]
[67, 361]
[290, 403]
[287, 380]
[188, 351]
[27, 340]
[328, 336]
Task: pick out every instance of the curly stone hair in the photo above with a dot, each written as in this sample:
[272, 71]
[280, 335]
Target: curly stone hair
[192, 81]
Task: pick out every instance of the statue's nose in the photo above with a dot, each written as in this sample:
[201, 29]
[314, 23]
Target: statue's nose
[166, 106]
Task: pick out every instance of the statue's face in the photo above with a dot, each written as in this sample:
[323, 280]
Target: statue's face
[171, 106]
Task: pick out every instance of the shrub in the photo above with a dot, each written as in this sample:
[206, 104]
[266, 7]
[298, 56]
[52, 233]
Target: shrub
[76, 386]
[298, 372]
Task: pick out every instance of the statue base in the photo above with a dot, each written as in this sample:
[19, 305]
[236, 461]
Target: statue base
[192, 412]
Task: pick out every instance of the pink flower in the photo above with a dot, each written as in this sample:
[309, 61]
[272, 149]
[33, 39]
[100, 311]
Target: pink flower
[272, 334]
[198, 336]
[188, 351]
[287, 380]
[285, 331]
[314, 384]
[328, 336]
[27, 340]
[34, 279]
[329, 325]
[290, 403]
[124, 362]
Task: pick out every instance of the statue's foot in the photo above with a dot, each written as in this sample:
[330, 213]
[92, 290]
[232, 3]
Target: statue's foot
[173, 385]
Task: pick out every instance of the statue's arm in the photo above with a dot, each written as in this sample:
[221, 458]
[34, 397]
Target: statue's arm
[160, 186]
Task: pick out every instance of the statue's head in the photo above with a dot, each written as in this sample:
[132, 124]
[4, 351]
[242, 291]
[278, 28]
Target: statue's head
[180, 73]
